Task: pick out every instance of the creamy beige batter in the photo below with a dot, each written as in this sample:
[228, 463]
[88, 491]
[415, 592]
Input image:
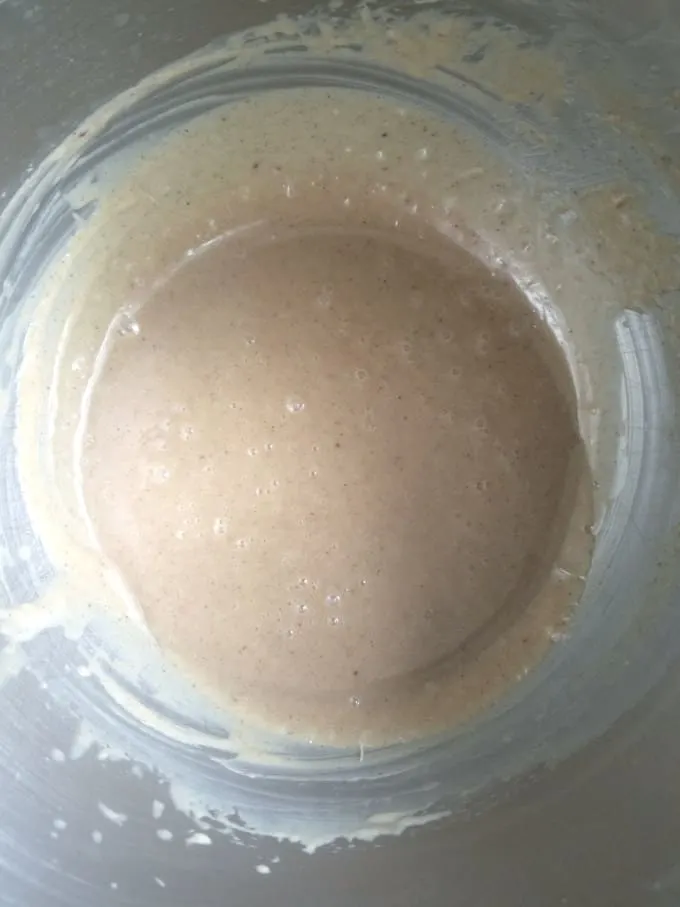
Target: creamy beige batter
[330, 466]
[333, 455]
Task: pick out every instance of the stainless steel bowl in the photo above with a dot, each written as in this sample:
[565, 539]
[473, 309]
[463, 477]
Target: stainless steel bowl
[566, 794]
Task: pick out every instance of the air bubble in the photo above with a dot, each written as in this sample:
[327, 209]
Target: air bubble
[355, 701]
[127, 325]
[159, 474]
[482, 345]
[294, 405]
[568, 217]
[219, 525]
[325, 297]
[334, 621]
[333, 598]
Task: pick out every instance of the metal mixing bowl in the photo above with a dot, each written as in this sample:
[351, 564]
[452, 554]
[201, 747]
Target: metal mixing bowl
[574, 799]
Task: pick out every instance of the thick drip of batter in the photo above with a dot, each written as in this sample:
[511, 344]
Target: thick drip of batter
[335, 467]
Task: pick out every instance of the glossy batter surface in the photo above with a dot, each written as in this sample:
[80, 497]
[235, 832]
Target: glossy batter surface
[333, 466]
